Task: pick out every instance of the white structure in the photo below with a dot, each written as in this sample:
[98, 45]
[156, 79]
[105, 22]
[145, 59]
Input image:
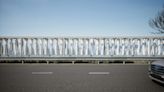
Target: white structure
[80, 47]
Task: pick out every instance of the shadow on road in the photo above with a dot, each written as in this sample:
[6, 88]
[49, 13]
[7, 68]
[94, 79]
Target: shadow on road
[160, 84]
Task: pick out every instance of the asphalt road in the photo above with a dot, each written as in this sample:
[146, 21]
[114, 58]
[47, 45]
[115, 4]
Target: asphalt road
[76, 78]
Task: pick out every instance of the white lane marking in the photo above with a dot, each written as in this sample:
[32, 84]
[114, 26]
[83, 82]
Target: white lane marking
[98, 73]
[42, 72]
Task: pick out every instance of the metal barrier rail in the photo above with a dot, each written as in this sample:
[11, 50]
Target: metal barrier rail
[82, 47]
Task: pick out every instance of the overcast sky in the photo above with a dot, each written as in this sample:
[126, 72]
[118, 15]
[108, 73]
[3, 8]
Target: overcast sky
[77, 17]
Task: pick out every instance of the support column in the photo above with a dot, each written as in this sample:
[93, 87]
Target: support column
[73, 62]
[22, 62]
[123, 62]
[98, 62]
[149, 62]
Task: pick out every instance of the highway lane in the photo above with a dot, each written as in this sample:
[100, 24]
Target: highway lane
[76, 78]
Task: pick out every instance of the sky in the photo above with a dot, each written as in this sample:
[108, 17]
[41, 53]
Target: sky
[77, 17]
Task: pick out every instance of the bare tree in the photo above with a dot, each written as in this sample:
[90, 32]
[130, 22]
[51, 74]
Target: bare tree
[158, 22]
